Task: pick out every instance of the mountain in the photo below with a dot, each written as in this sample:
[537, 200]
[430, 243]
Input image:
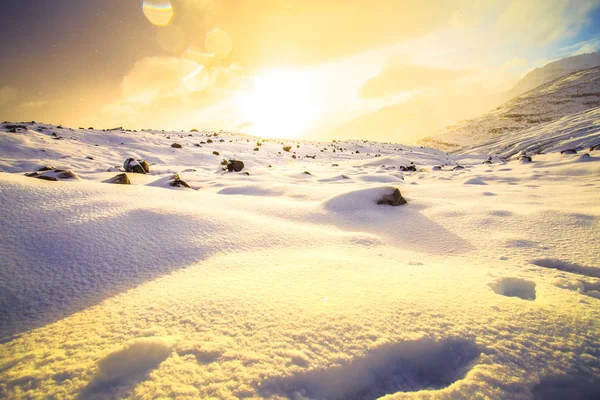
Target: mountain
[573, 93]
[578, 132]
[554, 70]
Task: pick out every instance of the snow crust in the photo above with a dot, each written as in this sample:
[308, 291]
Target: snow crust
[282, 284]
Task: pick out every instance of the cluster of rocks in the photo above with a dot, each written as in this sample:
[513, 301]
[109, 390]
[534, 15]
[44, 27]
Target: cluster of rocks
[49, 173]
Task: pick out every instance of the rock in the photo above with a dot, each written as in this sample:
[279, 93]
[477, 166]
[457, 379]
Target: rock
[235, 166]
[436, 168]
[32, 174]
[47, 178]
[256, 149]
[209, 141]
[488, 161]
[136, 166]
[335, 165]
[524, 158]
[194, 130]
[176, 146]
[46, 168]
[121, 179]
[287, 148]
[458, 168]
[568, 151]
[197, 144]
[307, 173]
[216, 153]
[178, 182]
[294, 156]
[595, 147]
[67, 175]
[392, 199]
[410, 168]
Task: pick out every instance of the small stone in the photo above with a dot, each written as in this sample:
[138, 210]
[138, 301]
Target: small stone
[235, 166]
[287, 148]
[568, 151]
[176, 146]
[121, 179]
[392, 199]
[47, 178]
[46, 168]
[136, 166]
[216, 153]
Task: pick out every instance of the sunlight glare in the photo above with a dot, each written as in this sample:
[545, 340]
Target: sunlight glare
[282, 103]
[158, 12]
[219, 43]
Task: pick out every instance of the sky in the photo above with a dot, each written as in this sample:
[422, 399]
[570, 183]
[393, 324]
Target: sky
[278, 68]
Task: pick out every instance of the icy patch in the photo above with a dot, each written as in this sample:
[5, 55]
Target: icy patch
[567, 267]
[401, 367]
[514, 287]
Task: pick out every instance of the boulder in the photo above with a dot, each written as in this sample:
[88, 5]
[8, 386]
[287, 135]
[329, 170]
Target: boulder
[136, 166]
[121, 179]
[287, 148]
[176, 146]
[392, 199]
[235, 166]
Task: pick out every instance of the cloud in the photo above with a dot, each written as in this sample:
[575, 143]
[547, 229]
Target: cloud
[405, 78]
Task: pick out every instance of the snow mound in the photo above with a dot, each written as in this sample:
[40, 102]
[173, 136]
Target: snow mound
[408, 366]
[474, 181]
[357, 200]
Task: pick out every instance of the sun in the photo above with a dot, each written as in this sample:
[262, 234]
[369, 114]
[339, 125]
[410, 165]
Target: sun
[281, 103]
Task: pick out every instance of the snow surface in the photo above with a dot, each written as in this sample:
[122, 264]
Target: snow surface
[290, 281]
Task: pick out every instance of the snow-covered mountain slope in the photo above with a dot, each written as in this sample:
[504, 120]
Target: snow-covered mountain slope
[287, 279]
[555, 70]
[570, 94]
[576, 132]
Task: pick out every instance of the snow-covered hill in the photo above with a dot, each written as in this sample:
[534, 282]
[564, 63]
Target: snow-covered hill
[287, 279]
[567, 95]
[555, 70]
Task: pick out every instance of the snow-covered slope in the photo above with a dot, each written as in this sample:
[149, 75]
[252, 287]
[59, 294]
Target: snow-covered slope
[555, 70]
[570, 94]
[287, 279]
[576, 132]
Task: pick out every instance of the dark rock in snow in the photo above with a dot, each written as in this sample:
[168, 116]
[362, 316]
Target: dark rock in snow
[294, 156]
[410, 168]
[436, 168]
[458, 168]
[178, 182]
[47, 178]
[287, 148]
[392, 199]
[595, 147]
[176, 146]
[569, 151]
[121, 179]
[46, 168]
[136, 166]
[235, 166]
[216, 153]
[67, 175]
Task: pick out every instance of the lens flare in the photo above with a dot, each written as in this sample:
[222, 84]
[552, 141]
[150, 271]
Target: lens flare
[219, 43]
[158, 12]
[196, 54]
[198, 80]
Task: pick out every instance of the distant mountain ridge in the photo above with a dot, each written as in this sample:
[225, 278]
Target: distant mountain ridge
[555, 70]
[573, 93]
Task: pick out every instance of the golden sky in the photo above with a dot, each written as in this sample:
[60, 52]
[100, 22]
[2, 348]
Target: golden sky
[379, 69]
